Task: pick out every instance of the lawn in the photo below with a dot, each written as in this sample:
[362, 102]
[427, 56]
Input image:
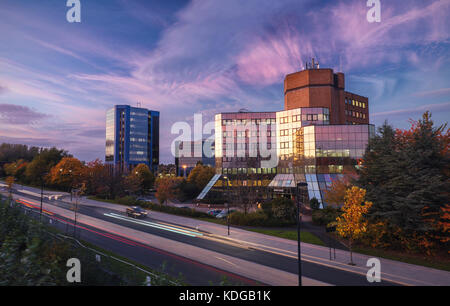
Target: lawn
[291, 234]
[436, 262]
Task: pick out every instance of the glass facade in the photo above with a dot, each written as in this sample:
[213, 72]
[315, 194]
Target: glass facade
[132, 137]
[323, 153]
[306, 149]
[110, 128]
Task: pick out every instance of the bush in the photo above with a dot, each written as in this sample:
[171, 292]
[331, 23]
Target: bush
[314, 204]
[258, 218]
[325, 216]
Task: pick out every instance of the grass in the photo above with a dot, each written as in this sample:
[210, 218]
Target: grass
[305, 237]
[436, 262]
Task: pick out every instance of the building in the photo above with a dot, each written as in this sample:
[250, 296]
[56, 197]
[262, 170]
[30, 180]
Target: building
[189, 153]
[132, 137]
[321, 134]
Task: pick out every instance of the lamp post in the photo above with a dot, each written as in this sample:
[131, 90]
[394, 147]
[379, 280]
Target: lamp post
[42, 194]
[228, 207]
[299, 186]
[184, 168]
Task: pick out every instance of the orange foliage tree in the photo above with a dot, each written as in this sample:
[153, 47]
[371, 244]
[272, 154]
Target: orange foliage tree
[68, 173]
[351, 223]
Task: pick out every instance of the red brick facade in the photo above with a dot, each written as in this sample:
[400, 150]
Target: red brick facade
[324, 88]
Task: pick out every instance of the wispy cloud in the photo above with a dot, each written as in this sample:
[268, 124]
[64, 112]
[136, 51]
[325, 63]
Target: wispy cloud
[19, 115]
[211, 56]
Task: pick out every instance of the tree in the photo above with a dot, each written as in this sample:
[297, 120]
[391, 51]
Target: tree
[201, 175]
[145, 175]
[9, 183]
[42, 163]
[335, 194]
[67, 174]
[133, 183]
[167, 188]
[314, 203]
[351, 223]
[406, 174]
[95, 174]
[284, 209]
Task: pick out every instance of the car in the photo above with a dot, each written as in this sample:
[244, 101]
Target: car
[224, 213]
[136, 212]
[214, 212]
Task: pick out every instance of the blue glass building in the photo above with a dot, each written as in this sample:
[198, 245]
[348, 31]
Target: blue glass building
[132, 137]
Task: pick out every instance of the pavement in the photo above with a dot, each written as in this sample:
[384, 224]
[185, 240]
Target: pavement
[392, 271]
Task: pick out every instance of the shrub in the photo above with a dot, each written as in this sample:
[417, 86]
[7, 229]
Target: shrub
[325, 216]
[314, 203]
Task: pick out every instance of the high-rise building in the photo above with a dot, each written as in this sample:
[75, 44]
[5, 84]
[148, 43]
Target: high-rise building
[132, 137]
[320, 135]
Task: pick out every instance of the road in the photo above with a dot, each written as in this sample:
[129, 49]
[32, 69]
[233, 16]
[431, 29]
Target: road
[201, 258]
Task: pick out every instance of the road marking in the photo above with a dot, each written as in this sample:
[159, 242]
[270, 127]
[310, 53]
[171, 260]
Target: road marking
[155, 225]
[227, 261]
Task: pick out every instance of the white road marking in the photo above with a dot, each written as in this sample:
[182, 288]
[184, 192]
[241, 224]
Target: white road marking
[155, 225]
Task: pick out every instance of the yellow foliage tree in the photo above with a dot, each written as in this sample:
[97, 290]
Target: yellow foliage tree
[351, 223]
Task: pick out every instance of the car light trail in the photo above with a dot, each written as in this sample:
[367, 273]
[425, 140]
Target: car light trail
[30, 205]
[155, 225]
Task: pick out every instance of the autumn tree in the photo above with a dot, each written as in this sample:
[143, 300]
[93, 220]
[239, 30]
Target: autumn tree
[351, 223]
[167, 188]
[42, 164]
[406, 175]
[67, 173]
[201, 175]
[143, 173]
[335, 194]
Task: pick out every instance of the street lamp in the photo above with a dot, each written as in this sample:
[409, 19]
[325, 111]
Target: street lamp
[42, 194]
[184, 167]
[228, 207]
[299, 259]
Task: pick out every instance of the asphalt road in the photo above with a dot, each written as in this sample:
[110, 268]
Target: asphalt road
[195, 273]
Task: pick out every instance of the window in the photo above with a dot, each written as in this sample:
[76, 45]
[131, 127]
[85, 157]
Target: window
[284, 132]
[284, 119]
[284, 145]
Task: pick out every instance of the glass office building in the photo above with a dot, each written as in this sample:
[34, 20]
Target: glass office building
[321, 134]
[132, 137]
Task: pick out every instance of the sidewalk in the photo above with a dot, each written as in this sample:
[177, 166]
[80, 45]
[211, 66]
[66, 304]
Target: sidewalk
[394, 271]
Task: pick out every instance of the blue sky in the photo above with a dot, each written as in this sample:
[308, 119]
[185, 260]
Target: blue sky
[57, 79]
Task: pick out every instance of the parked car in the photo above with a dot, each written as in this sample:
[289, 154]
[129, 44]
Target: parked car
[136, 212]
[214, 212]
[224, 213]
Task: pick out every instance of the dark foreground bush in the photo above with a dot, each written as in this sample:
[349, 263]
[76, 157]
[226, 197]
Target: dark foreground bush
[325, 216]
[258, 218]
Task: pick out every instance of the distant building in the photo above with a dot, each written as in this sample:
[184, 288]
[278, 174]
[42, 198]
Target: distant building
[189, 153]
[132, 137]
[321, 133]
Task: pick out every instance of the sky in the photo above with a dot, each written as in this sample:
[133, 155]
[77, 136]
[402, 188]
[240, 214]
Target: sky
[58, 79]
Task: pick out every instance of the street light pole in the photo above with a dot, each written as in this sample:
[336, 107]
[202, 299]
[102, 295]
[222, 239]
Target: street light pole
[42, 196]
[299, 259]
[228, 207]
